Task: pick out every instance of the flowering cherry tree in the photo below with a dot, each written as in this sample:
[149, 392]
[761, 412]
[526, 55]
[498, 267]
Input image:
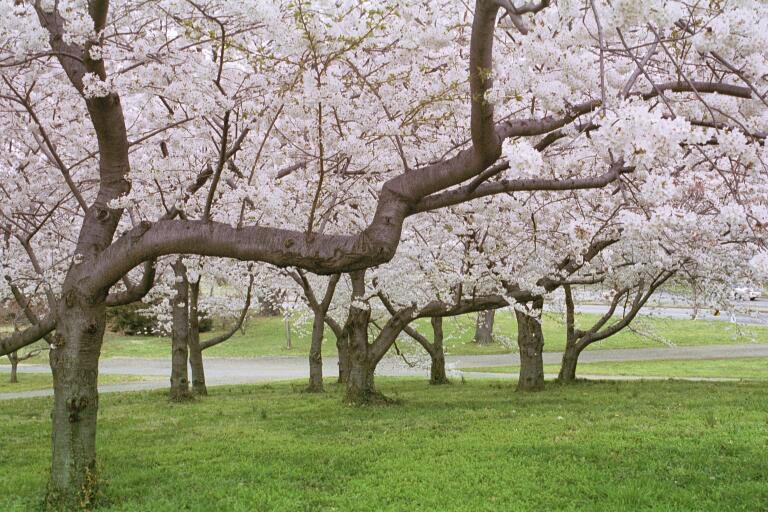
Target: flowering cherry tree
[305, 133]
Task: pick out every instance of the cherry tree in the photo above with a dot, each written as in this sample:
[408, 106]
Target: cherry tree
[177, 127]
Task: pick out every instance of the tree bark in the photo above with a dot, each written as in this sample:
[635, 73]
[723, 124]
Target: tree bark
[315, 353]
[360, 386]
[567, 373]
[437, 373]
[13, 357]
[180, 336]
[484, 327]
[195, 351]
[74, 360]
[342, 347]
[530, 342]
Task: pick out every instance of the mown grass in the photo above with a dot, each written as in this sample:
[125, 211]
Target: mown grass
[34, 381]
[265, 336]
[671, 446]
[737, 368]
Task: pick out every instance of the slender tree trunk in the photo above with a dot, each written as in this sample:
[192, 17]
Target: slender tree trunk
[484, 327]
[530, 341]
[195, 352]
[437, 373]
[180, 336]
[14, 358]
[74, 361]
[315, 353]
[342, 347]
[287, 323]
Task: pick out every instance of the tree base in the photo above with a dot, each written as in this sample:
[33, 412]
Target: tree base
[59, 500]
[200, 390]
[181, 397]
[314, 388]
[440, 382]
[367, 397]
[529, 388]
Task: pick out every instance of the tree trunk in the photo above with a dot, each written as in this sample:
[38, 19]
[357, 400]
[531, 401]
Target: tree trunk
[360, 388]
[571, 354]
[342, 347]
[315, 354]
[437, 373]
[180, 336]
[13, 357]
[484, 327]
[74, 360]
[195, 352]
[287, 323]
[530, 342]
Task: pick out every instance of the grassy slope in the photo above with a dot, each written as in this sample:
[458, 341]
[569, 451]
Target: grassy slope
[266, 336]
[32, 381]
[740, 368]
[480, 447]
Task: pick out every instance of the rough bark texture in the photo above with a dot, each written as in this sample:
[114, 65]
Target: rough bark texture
[530, 342]
[437, 373]
[74, 360]
[195, 351]
[180, 336]
[484, 327]
[360, 387]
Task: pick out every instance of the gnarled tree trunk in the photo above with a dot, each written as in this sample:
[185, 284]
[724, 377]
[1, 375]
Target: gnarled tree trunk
[530, 342]
[360, 387]
[180, 335]
[74, 361]
[484, 327]
[195, 352]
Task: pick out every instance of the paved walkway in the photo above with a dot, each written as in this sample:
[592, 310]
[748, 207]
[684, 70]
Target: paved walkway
[263, 369]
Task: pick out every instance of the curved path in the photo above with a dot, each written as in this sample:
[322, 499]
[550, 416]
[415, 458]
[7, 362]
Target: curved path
[221, 371]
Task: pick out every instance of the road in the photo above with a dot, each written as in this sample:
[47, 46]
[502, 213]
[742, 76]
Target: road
[263, 369]
[751, 312]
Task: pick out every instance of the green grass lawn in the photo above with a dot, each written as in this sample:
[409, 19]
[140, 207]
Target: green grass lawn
[670, 446]
[265, 336]
[34, 381]
[738, 368]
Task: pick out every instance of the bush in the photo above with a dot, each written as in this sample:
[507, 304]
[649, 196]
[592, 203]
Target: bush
[130, 320]
[205, 323]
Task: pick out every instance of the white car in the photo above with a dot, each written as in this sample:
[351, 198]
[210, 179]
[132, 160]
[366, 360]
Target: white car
[746, 293]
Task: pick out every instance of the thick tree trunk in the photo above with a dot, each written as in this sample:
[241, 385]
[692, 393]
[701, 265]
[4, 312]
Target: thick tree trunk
[74, 360]
[360, 387]
[14, 367]
[195, 352]
[437, 373]
[530, 342]
[484, 327]
[315, 354]
[180, 336]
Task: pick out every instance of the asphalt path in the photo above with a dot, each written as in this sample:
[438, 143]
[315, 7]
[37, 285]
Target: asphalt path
[749, 312]
[221, 371]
